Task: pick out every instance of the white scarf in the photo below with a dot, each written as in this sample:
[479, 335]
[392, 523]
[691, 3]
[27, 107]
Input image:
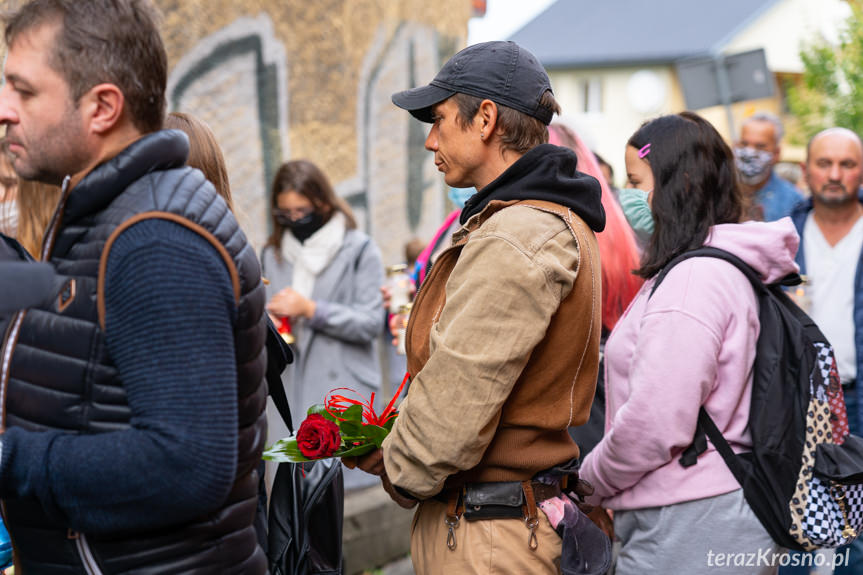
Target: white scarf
[9, 218]
[311, 257]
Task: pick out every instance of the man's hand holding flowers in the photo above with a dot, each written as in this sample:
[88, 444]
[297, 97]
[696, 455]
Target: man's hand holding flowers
[374, 463]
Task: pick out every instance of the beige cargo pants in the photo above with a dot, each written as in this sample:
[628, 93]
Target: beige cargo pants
[488, 547]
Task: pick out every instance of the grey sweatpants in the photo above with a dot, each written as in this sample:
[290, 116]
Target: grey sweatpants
[716, 536]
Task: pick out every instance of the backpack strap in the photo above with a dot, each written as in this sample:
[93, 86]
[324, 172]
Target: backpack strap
[360, 253]
[171, 217]
[706, 427]
[689, 457]
[717, 253]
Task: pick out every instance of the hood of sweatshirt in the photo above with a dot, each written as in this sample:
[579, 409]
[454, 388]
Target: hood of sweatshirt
[769, 247]
[548, 173]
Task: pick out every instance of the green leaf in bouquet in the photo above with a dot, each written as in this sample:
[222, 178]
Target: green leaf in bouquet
[388, 425]
[285, 450]
[356, 450]
[351, 429]
[353, 413]
[321, 410]
[376, 434]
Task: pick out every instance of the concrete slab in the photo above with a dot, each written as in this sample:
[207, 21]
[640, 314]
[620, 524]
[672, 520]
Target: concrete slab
[376, 533]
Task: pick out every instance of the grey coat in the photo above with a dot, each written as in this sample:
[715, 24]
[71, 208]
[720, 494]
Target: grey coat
[336, 347]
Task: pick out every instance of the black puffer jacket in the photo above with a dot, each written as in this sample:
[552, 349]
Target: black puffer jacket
[61, 376]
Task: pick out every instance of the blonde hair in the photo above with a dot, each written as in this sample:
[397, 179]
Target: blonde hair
[37, 203]
[8, 192]
[8, 177]
[205, 153]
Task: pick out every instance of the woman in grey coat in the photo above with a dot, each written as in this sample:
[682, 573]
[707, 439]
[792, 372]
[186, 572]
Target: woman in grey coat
[325, 278]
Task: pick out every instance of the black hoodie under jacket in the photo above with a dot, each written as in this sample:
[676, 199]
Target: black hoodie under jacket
[549, 173]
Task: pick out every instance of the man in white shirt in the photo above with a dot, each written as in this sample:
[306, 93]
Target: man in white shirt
[831, 249]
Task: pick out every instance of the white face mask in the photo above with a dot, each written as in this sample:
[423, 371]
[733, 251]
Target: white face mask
[753, 165]
[9, 218]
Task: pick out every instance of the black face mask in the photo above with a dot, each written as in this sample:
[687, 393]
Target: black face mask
[303, 227]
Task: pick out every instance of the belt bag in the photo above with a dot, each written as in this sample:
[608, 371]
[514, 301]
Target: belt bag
[504, 499]
[493, 500]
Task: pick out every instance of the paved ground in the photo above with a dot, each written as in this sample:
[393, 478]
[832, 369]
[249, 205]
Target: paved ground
[400, 567]
[376, 532]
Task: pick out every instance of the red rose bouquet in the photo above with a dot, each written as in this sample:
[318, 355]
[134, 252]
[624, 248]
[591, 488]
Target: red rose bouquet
[341, 427]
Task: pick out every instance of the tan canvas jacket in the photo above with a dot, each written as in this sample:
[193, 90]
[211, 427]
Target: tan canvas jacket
[503, 347]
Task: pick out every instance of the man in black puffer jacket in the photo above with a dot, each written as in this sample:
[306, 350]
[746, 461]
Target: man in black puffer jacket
[132, 404]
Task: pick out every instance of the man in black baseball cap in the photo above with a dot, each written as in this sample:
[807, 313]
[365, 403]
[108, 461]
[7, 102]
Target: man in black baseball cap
[503, 339]
[500, 71]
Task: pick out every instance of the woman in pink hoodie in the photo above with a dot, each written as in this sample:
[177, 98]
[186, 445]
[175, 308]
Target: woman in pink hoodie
[690, 344]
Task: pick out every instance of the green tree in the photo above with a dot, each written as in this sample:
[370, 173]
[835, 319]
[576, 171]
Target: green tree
[830, 91]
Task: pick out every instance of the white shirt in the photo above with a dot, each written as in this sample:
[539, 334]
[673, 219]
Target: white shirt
[831, 271]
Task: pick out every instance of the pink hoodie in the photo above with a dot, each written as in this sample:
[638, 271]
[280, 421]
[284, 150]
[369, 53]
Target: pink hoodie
[691, 344]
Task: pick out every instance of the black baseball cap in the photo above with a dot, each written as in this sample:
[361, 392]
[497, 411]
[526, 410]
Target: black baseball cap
[502, 72]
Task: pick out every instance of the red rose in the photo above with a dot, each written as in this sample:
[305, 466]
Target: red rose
[318, 437]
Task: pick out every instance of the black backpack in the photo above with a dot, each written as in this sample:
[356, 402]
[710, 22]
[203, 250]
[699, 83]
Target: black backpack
[804, 475]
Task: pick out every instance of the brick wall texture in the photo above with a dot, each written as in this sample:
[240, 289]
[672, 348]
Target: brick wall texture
[289, 79]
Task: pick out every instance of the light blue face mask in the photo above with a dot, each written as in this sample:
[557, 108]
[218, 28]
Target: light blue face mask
[637, 212]
[459, 196]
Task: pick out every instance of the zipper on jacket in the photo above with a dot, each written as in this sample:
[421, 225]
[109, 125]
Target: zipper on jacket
[6, 361]
[9, 341]
[85, 553]
[51, 232]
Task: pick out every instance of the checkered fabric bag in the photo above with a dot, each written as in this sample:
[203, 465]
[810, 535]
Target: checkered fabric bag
[825, 511]
[803, 477]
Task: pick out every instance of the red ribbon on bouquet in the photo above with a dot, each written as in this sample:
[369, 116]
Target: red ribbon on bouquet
[336, 404]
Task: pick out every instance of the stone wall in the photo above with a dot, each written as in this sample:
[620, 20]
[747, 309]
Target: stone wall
[289, 79]
[284, 79]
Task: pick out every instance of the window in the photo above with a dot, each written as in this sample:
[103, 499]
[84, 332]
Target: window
[591, 95]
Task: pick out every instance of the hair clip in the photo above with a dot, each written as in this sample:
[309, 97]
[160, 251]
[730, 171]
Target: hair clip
[644, 151]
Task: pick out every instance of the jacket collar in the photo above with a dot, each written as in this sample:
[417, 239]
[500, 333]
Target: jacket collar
[477, 220]
[163, 150]
[546, 173]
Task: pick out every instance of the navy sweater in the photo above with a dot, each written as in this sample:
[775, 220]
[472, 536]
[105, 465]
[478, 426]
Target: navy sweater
[170, 312]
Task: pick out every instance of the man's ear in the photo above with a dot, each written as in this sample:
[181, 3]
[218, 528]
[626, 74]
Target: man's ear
[103, 107]
[487, 116]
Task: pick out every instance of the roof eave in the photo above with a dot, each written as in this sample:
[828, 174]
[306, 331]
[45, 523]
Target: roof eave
[627, 62]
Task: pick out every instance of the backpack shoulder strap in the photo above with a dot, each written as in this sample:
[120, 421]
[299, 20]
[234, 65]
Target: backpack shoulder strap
[171, 217]
[361, 252]
[717, 253]
[706, 426]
